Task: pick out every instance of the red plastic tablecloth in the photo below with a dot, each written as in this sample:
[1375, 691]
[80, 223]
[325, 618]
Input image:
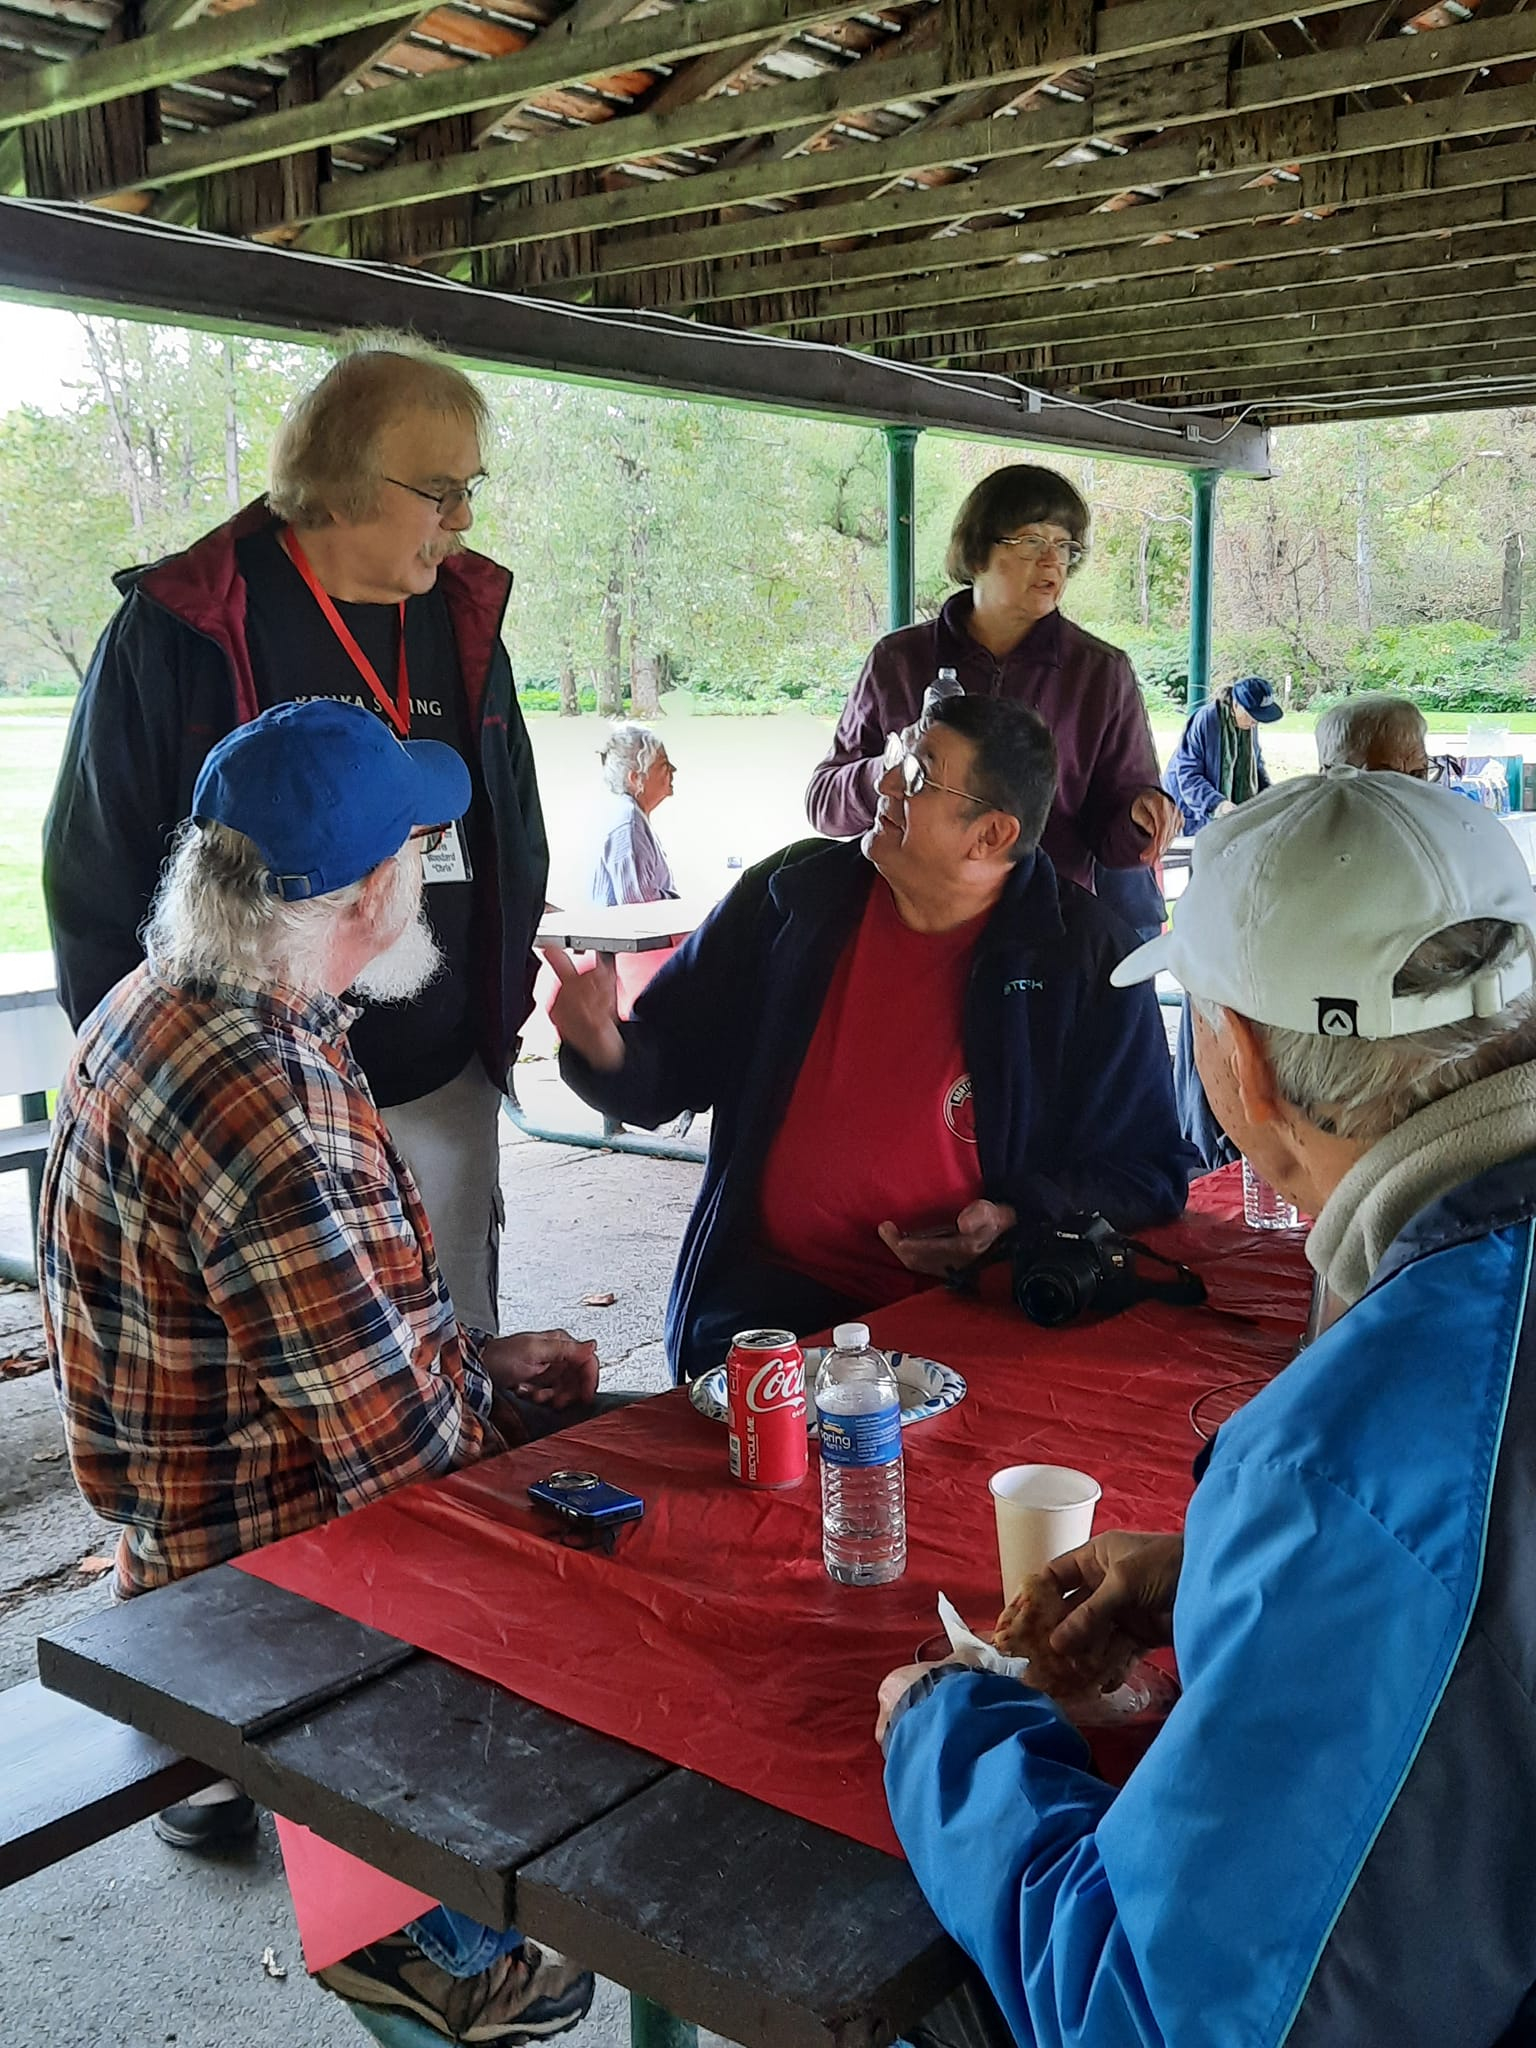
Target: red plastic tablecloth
[713, 1637]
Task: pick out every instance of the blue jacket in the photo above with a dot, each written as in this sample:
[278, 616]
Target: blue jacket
[1072, 1087]
[170, 676]
[1332, 1843]
[1192, 777]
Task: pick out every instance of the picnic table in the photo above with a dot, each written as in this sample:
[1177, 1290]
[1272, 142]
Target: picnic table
[708, 1828]
[630, 928]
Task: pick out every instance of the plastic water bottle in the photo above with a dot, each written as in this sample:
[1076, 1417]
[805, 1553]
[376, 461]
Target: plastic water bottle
[1264, 1208]
[863, 1502]
[945, 684]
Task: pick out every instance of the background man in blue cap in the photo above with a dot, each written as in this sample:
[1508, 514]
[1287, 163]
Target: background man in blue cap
[1217, 763]
[241, 1304]
[1215, 767]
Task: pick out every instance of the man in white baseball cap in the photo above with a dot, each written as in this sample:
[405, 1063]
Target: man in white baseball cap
[1354, 1600]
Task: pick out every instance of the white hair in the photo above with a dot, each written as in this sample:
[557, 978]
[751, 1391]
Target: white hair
[1348, 734]
[1362, 1088]
[214, 918]
[628, 750]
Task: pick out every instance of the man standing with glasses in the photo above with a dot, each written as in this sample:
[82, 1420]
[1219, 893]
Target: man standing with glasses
[908, 1043]
[350, 580]
[1017, 539]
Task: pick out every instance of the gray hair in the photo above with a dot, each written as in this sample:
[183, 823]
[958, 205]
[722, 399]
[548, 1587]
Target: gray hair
[1348, 734]
[628, 750]
[214, 919]
[1362, 1088]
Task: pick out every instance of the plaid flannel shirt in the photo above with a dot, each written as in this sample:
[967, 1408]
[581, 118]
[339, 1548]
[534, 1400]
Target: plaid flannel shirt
[242, 1309]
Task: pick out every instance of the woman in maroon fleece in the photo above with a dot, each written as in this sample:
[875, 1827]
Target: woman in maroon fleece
[1018, 537]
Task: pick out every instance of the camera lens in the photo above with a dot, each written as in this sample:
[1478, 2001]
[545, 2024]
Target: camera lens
[1050, 1295]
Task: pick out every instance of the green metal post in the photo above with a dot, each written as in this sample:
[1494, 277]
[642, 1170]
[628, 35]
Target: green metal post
[652, 2026]
[900, 478]
[1202, 550]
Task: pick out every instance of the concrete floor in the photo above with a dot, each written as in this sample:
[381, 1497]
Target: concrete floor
[132, 1944]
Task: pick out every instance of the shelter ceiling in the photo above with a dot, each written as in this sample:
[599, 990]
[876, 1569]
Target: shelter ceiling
[1211, 203]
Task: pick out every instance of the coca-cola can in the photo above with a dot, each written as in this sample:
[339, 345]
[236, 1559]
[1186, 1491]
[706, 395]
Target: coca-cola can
[765, 1393]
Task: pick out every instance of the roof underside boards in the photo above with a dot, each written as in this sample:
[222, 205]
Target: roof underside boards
[1207, 205]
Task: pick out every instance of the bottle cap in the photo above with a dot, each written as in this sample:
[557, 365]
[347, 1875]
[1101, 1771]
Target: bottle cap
[851, 1336]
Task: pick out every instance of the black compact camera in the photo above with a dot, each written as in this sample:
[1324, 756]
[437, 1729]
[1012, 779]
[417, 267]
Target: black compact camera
[1081, 1266]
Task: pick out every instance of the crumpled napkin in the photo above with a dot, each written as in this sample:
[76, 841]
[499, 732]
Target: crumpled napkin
[971, 1649]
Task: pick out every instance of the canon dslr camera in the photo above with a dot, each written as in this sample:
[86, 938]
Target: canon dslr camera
[1080, 1266]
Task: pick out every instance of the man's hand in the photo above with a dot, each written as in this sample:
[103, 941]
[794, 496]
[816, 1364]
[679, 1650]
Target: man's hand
[1225, 808]
[895, 1686]
[1160, 818]
[547, 1366]
[935, 1252]
[585, 1011]
[1124, 1586]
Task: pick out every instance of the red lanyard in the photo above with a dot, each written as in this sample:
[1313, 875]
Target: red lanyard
[399, 712]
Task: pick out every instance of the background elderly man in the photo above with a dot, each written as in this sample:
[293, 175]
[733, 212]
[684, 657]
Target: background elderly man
[628, 864]
[907, 1042]
[351, 580]
[1376, 731]
[1333, 1840]
[240, 1302]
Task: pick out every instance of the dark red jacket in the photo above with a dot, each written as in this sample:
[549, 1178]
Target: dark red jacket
[1083, 688]
[170, 676]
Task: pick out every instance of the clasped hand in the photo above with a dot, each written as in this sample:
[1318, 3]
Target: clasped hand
[937, 1252]
[550, 1367]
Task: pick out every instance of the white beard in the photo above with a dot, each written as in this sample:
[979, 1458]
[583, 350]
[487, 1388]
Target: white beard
[403, 969]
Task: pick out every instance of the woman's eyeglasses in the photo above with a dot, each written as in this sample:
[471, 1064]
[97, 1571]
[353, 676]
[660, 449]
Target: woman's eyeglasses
[1038, 547]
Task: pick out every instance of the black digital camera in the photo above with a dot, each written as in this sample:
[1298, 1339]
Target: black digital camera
[1081, 1266]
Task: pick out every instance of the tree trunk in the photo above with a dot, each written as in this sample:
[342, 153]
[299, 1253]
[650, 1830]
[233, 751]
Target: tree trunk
[570, 701]
[1364, 607]
[122, 435]
[645, 687]
[1143, 587]
[610, 678]
[231, 429]
[1509, 594]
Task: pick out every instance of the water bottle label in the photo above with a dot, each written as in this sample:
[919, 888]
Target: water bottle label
[861, 1439]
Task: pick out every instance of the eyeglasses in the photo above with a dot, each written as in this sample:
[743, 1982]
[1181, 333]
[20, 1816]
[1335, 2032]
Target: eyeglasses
[430, 837]
[1035, 547]
[915, 777]
[447, 502]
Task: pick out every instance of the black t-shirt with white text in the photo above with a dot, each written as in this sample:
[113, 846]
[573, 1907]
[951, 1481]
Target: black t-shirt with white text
[405, 1049]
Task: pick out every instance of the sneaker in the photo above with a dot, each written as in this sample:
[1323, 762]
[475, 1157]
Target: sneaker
[521, 1997]
[206, 1824]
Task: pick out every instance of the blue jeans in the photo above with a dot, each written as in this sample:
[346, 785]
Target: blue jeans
[459, 1945]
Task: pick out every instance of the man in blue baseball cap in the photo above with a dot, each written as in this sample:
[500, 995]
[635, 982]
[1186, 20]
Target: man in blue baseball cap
[241, 1300]
[1215, 767]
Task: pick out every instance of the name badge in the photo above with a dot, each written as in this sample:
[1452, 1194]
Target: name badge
[450, 863]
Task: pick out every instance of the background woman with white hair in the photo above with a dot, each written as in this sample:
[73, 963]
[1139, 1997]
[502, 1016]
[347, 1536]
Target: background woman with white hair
[628, 863]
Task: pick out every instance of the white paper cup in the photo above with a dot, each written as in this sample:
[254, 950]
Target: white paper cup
[1042, 1510]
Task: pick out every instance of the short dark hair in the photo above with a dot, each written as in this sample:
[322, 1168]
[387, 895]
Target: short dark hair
[1014, 765]
[1020, 494]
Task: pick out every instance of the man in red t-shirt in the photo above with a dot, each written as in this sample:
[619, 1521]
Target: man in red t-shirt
[908, 1042]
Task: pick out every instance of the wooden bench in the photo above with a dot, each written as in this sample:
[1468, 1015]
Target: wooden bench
[70, 1777]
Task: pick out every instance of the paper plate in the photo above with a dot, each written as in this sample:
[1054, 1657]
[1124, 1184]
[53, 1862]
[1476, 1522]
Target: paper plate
[927, 1388]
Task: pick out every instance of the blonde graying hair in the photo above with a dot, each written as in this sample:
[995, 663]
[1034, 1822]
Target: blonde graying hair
[214, 918]
[325, 459]
[1362, 1088]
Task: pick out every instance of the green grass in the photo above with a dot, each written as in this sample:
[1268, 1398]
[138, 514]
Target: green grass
[31, 741]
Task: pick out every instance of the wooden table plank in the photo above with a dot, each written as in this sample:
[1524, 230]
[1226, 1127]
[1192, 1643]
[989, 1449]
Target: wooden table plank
[212, 1661]
[444, 1781]
[744, 1919]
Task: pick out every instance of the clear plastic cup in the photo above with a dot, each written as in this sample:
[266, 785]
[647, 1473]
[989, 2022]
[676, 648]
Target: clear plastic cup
[1264, 1208]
